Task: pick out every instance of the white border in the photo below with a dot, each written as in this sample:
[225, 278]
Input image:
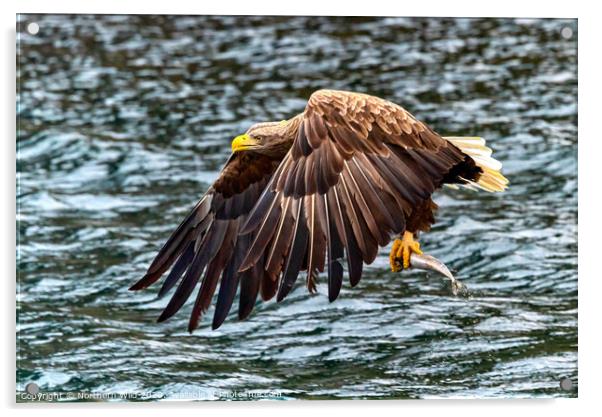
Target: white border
[590, 210]
[458, 8]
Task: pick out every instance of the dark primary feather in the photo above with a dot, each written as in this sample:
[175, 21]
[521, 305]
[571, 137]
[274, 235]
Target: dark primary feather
[358, 225]
[294, 260]
[281, 241]
[354, 256]
[207, 241]
[209, 246]
[229, 283]
[335, 253]
[249, 289]
[175, 245]
[178, 269]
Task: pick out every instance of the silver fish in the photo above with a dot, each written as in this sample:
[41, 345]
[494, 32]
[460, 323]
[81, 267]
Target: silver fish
[430, 263]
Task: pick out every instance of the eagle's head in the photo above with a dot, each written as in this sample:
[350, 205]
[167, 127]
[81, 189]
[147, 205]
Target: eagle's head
[269, 138]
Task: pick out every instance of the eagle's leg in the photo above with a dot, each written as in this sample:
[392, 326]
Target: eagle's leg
[402, 250]
[420, 219]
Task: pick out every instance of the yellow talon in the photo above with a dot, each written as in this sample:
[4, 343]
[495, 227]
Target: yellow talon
[395, 267]
[402, 249]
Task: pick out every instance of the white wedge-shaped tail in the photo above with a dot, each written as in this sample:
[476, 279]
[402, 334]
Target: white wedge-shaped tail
[491, 179]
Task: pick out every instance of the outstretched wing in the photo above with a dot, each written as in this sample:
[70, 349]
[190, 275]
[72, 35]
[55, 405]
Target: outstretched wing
[357, 168]
[208, 240]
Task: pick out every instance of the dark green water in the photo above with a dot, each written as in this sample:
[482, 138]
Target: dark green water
[125, 120]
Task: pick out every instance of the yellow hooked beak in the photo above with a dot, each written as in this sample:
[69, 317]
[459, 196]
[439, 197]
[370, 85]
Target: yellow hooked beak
[243, 143]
